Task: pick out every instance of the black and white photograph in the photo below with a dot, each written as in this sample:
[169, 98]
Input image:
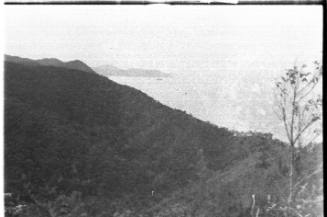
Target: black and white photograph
[162, 110]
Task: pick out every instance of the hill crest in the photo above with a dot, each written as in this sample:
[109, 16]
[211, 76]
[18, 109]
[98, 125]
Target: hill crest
[75, 64]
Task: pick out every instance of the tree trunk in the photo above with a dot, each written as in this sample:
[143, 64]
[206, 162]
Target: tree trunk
[291, 175]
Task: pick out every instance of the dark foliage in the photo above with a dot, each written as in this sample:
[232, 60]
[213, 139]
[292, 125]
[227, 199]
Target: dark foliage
[80, 131]
[70, 131]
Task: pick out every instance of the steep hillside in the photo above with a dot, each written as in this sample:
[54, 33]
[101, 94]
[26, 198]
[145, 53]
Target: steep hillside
[68, 130]
[51, 106]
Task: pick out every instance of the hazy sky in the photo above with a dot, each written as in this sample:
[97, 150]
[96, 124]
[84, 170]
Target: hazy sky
[175, 39]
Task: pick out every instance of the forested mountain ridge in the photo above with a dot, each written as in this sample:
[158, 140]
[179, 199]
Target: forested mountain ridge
[74, 64]
[68, 130]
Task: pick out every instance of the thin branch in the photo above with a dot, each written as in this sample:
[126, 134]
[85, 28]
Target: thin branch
[308, 92]
[295, 211]
[278, 115]
[283, 117]
[285, 124]
[312, 201]
[293, 112]
[309, 175]
[304, 129]
[303, 90]
[308, 142]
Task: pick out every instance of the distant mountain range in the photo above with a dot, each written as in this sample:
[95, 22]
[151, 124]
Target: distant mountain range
[74, 64]
[108, 70]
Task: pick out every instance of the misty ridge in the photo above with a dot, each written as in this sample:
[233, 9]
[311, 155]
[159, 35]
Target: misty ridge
[108, 70]
[79, 144]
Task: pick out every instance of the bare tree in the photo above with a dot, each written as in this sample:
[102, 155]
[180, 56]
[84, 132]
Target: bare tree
[299, 107]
